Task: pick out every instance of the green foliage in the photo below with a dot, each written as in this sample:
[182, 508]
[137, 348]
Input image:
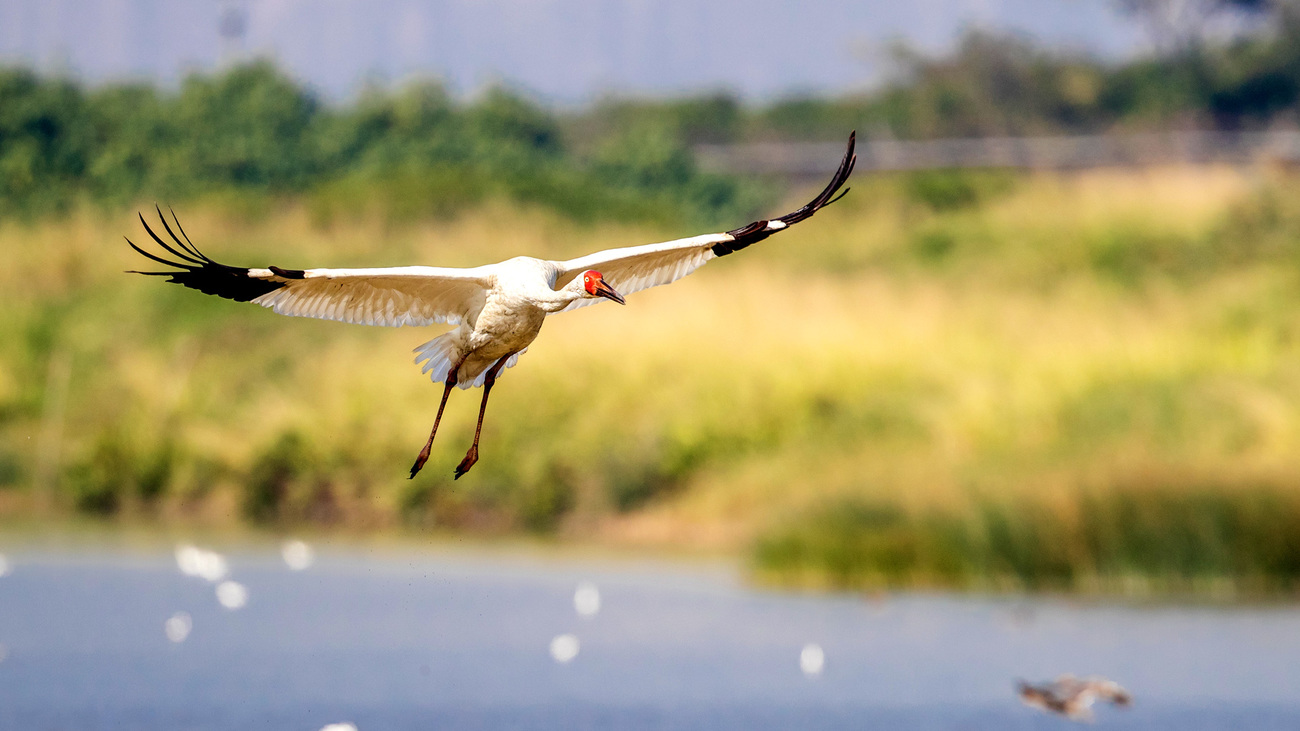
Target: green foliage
[416, 151]
[1027, 335]
[1181, 537]
[406, 154]
[247, 128]
[656, 470]
[417, 504]
[11, 469]
[997, 84]
[132, 127]
[952, 190]
[1111, 347]
[713, 118]
[651, 161]
[510, 130]
[542, 503]
[403, 194]
[645, 157]
[116, 471]
[846, 542]
[933, 244]
[275, 474]
[293, 481]
[45, 142]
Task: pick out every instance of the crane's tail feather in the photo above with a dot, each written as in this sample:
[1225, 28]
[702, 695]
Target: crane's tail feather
[438, 356]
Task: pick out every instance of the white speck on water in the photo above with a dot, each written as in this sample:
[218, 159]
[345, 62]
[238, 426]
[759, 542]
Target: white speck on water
[586, 600]
[298, 556]
[339, 727]
[811, 660]
[232, 594]
[564, 648]
[200, 562]
[178, 626]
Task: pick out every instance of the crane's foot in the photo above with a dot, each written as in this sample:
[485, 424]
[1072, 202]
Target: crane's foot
[419, 462]
[470, 458]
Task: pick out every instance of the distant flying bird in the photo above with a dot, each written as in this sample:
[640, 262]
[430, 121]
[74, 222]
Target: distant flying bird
[498, 309]
[1073, 697]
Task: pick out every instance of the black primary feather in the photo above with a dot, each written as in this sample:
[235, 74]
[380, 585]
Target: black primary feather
[195, 270]
[758, 230]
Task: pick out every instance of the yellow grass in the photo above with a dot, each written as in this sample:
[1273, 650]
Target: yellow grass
[830, 363]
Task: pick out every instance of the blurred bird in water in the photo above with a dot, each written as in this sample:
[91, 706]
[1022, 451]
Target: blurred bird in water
[1073, 697]
[498, 308]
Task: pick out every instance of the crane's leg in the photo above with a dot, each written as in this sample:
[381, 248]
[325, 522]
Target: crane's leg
[451, 383]
[472, 455]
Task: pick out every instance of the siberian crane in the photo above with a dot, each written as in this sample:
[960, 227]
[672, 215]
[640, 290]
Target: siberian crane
[497, 309]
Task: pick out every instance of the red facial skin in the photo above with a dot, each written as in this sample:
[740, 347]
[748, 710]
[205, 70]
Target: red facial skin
[589, 280]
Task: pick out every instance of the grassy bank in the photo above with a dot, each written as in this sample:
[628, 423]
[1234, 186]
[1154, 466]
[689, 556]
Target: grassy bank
[1185, 538]
[1099, 372]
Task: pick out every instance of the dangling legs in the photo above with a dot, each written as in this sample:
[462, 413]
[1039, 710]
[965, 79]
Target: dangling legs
[472, 455]
[451, 383]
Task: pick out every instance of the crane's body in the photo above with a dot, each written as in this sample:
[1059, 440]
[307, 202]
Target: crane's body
[497, 309]
[518, 296]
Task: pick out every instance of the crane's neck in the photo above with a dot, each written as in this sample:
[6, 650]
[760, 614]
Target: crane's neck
[554, 300]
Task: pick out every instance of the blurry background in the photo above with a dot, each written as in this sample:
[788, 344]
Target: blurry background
[566, 51]
[1046, 353]
[1049, 340]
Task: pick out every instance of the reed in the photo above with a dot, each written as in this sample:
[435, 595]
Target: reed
[1185, 538]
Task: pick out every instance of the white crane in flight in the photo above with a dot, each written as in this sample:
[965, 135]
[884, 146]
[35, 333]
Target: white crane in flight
[498, 308]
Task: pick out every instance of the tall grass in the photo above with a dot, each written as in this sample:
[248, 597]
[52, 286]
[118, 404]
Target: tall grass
[1186, 538]
[953, 354]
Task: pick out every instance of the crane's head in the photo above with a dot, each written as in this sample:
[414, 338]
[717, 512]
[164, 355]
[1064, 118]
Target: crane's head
[595, 286]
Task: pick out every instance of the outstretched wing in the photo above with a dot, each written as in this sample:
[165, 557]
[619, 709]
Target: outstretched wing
[392, 297]
[1107, 690]
[635, 268]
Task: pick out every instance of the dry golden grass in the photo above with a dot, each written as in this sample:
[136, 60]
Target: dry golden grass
[1070, 335]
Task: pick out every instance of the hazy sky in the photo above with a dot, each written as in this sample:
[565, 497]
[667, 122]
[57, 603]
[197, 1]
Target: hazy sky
[563, 50]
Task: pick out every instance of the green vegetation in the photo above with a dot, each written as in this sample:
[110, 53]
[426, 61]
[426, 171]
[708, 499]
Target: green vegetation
[1187, 538]
[251, 133]
[1085, 381]
[996, 84]
[1092, 381]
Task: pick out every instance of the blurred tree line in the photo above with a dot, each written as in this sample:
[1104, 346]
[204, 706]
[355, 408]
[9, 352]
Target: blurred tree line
[414, 150]
[1227, 64]
[1223, 64]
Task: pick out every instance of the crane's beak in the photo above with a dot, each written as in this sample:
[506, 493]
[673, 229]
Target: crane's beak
[606, 291]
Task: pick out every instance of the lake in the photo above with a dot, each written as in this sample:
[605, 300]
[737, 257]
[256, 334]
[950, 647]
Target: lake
[444, 639]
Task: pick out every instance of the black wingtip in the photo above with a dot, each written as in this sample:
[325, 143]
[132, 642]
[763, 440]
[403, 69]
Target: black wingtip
[200, 258]
[196, 271]
[192, 247]
[757, 231]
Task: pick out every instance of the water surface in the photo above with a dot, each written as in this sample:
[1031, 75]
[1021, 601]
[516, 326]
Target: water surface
[455, 641]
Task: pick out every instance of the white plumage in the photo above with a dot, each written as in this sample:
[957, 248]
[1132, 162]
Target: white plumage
[391, 297]
[497, 309]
